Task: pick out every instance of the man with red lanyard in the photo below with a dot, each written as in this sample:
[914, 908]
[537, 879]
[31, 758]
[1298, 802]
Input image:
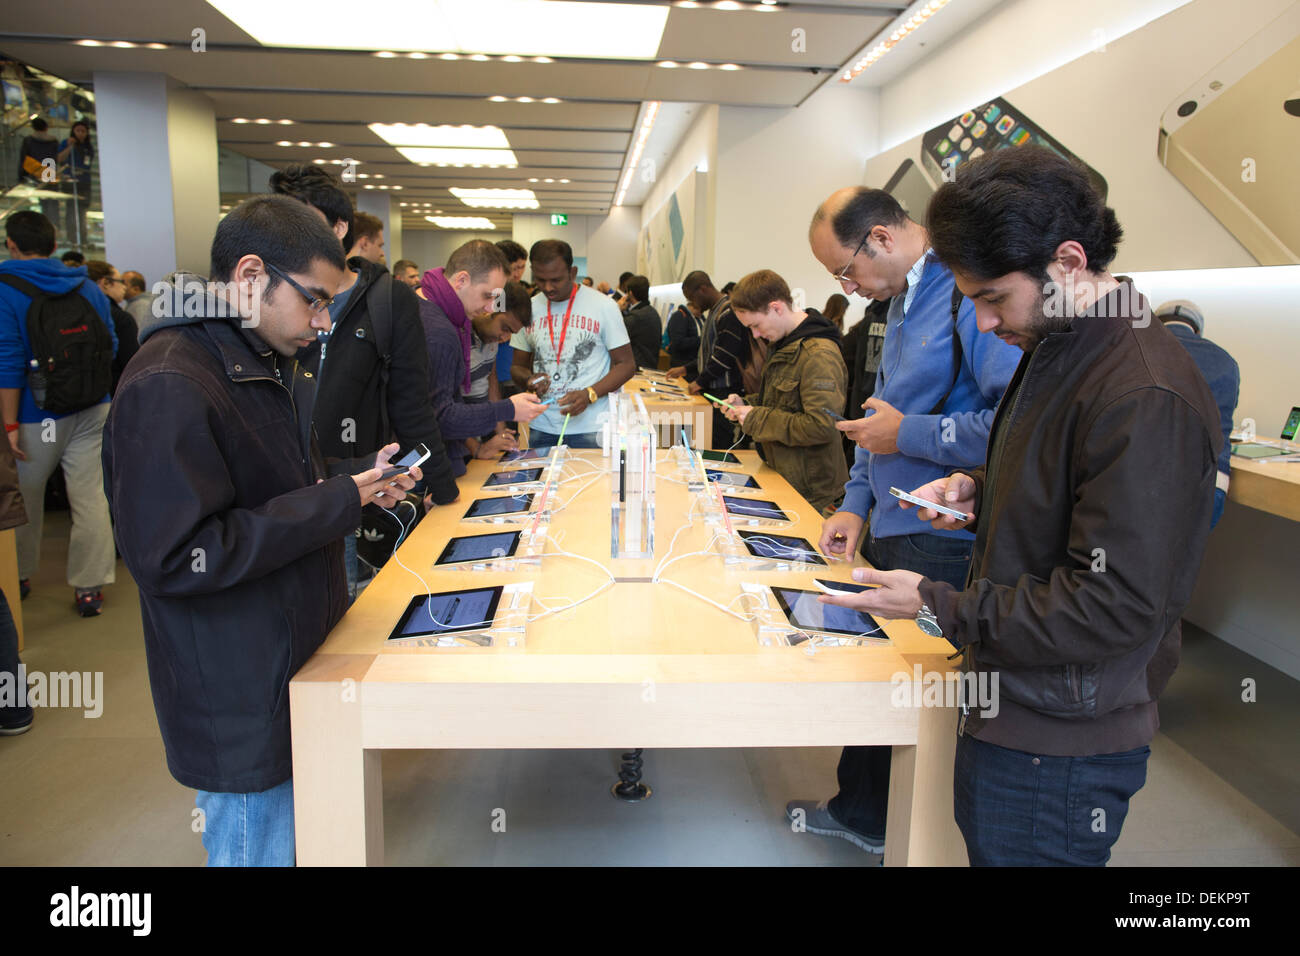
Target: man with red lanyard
[574, 354]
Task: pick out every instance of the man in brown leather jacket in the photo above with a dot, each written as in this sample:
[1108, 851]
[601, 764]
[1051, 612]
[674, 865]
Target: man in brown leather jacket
[15, 717]
[1091, 516]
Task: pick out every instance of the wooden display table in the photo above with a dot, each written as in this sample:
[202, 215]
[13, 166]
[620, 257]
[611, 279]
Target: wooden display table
[1265, 486]
[668, 412]
[640, 665]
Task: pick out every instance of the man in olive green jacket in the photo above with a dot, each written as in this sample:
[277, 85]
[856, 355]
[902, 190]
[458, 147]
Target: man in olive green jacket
[804, 378]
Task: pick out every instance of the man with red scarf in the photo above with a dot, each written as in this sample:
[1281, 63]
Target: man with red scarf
[452, 297]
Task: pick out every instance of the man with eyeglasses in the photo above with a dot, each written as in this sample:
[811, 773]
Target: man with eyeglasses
[228, 520]
[938, 384]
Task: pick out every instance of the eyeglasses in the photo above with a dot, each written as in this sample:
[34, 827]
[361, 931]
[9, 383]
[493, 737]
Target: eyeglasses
[314, 302]
[843, 274]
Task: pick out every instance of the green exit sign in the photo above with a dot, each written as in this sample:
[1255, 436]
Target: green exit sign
[559, 219]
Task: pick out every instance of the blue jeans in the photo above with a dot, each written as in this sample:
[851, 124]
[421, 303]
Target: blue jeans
[540, 439]
[1021, 809]
[863, 772]
[11, 716]
[248, 829]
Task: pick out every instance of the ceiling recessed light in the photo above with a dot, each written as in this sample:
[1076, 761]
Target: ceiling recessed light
[524, 99]
[542, 59]
[417, 55]
[533, 179]
[123, 44]
[551, 99]
[564, 180]
[668, 64]
[548, 180]
[283, 122]
[727, 5]
[156, 46]
[379, 175]
[729, 66]
[319, 162]
[304, 143]
[513, 59]
[262, 121]
[385, 54]
[479, 58]
[284, 142]
[239, 119]
[449, 56]
[325, 145]
[497, 99]
[697, 65]
[88, 43]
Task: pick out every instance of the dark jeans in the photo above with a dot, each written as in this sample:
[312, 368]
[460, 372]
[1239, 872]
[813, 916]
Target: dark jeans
[1019, 809]
[863, 772]
[11, 716]
[540, 439]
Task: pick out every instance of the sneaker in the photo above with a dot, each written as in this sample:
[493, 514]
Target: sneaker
[89, 602]
[817, 818]
[21, 723]
[24, 588]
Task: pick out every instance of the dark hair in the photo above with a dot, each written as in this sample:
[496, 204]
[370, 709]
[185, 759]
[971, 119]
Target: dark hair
[88, 147]
[518, 302]
[695, 280]
[97, 269]
[134, 280]
[402, 264]
[726, 289]
[623, 277]
[639, 286]
[836, 306]
[756, 291]
[865, 209]
[31, 233]
[318, 188]
[512, 250]
[365, 226]
[40, 125]
[277, 230]
[548, 250]
[478, 257]
[72, 259]
[1010, 209]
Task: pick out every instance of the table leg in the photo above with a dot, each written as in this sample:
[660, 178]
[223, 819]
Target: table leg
[337, 785]
[920, 829]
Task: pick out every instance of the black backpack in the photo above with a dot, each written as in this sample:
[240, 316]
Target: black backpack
[72, 349]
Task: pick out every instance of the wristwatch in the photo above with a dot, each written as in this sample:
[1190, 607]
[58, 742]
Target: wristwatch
[592, 396]
[928, 623]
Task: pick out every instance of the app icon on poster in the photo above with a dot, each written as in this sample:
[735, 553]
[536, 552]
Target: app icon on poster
[979, 129]
[943, 147]
[967, 118]
[956, 133]
[992, 112]
[977, 152]
[1005, 125]
[1021, 137]
[965, 144]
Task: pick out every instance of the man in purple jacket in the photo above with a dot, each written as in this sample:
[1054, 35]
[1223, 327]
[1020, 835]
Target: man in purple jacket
[453, 296]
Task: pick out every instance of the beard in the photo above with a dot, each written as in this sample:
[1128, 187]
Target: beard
[1040, 323]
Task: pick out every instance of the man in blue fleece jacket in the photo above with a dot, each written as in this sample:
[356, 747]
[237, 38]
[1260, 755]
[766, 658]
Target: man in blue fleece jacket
[42, 440]
[938, 384]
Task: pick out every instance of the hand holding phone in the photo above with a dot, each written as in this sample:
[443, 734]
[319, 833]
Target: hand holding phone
[958, 493]
[403, 465]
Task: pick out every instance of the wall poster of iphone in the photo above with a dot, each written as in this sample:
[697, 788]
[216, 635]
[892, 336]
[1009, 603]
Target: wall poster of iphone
[992, 125]
[1233, 138]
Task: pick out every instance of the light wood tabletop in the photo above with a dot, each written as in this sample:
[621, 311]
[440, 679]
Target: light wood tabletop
[1266, 486]
[640, 664]
[669, 409]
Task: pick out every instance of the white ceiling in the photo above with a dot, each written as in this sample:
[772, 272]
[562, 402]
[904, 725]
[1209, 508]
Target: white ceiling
[331, 95]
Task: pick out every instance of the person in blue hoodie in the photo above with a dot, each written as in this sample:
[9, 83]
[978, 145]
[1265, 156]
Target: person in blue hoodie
[936, 389]
[42, 440]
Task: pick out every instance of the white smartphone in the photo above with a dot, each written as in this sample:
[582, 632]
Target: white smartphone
[416, 456]
[942, 509]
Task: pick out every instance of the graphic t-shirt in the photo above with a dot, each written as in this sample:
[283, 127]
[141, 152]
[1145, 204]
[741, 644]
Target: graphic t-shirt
[595, 328]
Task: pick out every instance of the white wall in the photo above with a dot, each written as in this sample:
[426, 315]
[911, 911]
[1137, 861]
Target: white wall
[430, 248]
[774, 168]
[1017, 41]
[608, 243]
[196, 196]
[698, 147]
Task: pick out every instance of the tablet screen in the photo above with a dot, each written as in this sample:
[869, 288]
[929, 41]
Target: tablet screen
[526, 454]
[726, 456]
[805, 612]
[480, 547]
[1247, 450]
[754, 508]
[780, 546]
[731, 478]
[513, 477]
[514, 504]
[448, 612]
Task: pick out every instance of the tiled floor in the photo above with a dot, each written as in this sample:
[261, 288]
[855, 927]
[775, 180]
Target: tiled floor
[1221, 786]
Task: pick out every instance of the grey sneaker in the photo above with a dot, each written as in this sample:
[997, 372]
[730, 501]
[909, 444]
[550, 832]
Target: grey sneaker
[816, 818]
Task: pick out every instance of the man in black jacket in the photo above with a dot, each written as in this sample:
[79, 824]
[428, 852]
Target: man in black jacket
[376, 386]
[227, 521]
[645, 329]
[1091, 516]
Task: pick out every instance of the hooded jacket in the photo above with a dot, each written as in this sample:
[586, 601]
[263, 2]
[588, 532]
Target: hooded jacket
[53, 277]
[1092, 514]
[212, 470]
[803, 377]
[351, 399]
[645, 330]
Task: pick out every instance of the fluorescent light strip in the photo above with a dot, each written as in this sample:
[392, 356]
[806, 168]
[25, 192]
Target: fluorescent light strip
[904, 26]
[461, 222]
[496, 198]
[524, 28]
[643, 134]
